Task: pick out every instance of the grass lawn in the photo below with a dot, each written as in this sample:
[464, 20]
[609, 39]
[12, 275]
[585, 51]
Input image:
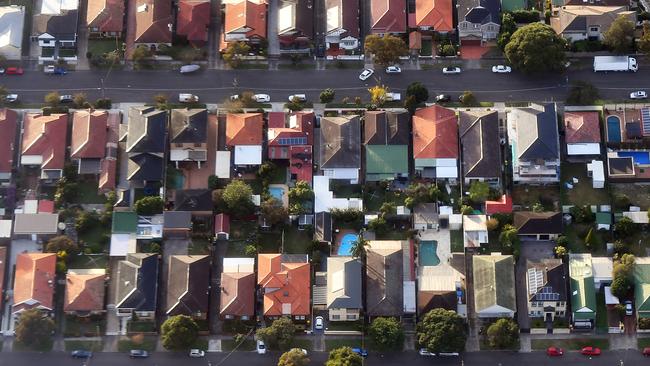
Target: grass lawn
[147, 343]
[84, 261]
[270, 241]
[83, 327]
[457, 243]
[87, 192]
[375, 197]
[199, 246]
[296, 241]
[601, 312]
[229, 345]
[427, 47]
[486, 347]
[576, 234]
[95, 346]
[240, 232]
[527, 196]
[278, 175]
[183, 52]
[639, 194]
[103, 46]
[331, 344]
[355, 326]
[570, 343]
[96, 238]
[141, 326]
[582, 193]
[19, 347]
[303, 343]
[643, 343]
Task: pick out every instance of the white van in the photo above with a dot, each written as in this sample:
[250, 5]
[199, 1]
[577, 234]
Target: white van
[261, 347]
[187, 98]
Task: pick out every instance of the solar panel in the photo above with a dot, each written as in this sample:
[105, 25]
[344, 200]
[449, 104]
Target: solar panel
[535, 280]
[645, 120]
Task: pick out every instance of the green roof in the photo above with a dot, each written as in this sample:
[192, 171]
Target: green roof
[510, 5]
[604, 218]
[124, 222]
[494, 281]
[583, 292]
[642, 286]
[384, 161]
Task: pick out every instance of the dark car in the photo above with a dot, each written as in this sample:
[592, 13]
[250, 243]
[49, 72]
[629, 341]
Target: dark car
[138, 353]
[81, 354]
[443, 98]
[360, 351]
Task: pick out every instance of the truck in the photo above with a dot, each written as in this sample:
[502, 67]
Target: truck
[393, 97]
[615, 63]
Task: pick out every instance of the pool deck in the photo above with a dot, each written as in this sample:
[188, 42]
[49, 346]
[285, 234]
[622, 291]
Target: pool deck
[337, 241]
[285, 193]
[444, 242]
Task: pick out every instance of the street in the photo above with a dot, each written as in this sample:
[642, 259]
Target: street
[213, 86]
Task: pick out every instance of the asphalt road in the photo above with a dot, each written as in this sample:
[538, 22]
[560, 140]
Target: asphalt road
[213, 86]
[629, 358]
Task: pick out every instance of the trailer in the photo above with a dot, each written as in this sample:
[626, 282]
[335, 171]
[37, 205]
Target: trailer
[615, 63]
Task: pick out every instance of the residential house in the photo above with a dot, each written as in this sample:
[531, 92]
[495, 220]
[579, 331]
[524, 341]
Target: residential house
[284, 281]
[188, 135]
[642, 286]
[290, 137]
[387, 16]
[494, 286]
[295, 25]
[38, 226]
[12, 21]
[188, 286]
[89, 137]
[244, 135]
[502, 205]
[582, 134]
[105, 18]
[342, 19]
[340, 150]
[441, 285]
[626, 125]
[344, 301]
[602, 269]
[222, 227]
[136, 285]
[583, 293]
[84, 291]
[585, 21]
[177, 224]
[44, 143]
[193, 21]
[237, 289]
[386, 139]
[145, 144]
[434, 15]
[324, 199]
[390, 285]
[55, 24]
[628, 166]
[435, 143]
[197, 201]
[34, 282]
[480, 148]
[538, 225]
[153, 23]
[475, 231]
[479, 21]
[124, 230]
[8, 124]
[534, 142]
[245, 21]
[546, 286]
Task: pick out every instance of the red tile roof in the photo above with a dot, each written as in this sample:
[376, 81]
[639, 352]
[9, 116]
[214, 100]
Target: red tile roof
[84, 290]
[45, 206]
[582, 127]
[8, 125]
[301, 163]
[277, 119]
[237, 294]
[88, 134]
[503, 205]
[152, 21]
[34, 281]
[435, 133]
[301, 124]
[246, 15]
[106, 15]
[286, 286]
[107, 174]
[437, 14]
[244, 129]
[388, 16]
[193, 20]
[46, 136]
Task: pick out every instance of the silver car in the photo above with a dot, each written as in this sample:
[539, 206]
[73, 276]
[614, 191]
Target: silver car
[365, 74]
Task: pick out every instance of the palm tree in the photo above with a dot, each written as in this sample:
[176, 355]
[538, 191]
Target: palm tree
[359, 246]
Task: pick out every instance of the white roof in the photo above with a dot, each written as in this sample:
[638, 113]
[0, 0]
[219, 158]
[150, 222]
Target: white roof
[11, 26]
[602, 268]
[43, 223]
[286, 15]
[409, 297]
[455, 219]
[446, 172]
[248, 155]
[324, 199]
[446, 210]
[597, 170]
[610, 299]
[5, 228]
[333, 18]
[121, 244]
[31, 207]
[583, 149]
[637, 217]
[475, 222]
[56, 6]
[222, 165]
[235, 265]
[442, 277]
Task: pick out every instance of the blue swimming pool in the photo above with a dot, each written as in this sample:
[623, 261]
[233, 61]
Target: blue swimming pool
[345, 247]
[640, 157]
[276, 192]
[613, 129]
[428, 253]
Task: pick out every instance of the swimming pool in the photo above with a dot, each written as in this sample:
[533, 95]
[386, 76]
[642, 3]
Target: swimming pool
[613, 129]
[428, 253]
[276, 192]
[640, 157]
[345, 247]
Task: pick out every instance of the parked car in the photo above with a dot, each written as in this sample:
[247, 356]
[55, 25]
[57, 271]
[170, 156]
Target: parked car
[424, 352]
[554, 351]
[318, 324]
[640, 94]
[66, 98]
[646, 351]
[590, 351]
[392, 97]
[2, 70]
[302, 350]
[196, 353]
[261, 347]
[628, 308]
[262, 98]
[187, 98]
[393, 69]
[11, 98]
[79, 353]
[360, 351]
[501, 69]
[443, 98]
[365, 74]
[14, 71]
[138, 353]
[186, 69]
[53, 70]
[451, 70]
[300, 97]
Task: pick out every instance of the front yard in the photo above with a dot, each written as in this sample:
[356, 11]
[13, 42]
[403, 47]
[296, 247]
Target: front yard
[92, 326]
[147, 343]
[331, 344]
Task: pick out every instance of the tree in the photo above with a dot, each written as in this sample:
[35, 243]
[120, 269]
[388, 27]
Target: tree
[52, 99]
[643, 43]
[560, 251]
[536, 48]
[509, 236]
[378, 95]
[387, 208]
[293, 357]
[79, 100]
[273, 212]
[3, 94]
[378, 225]
[327, 95]
[625, 227]
[419, 91]
[250, 250]
[141, 53]
[295, 104]
[234, 52]
[179, 332]
[61, 243]
[479, 191]
[34, 329]
[582, 93]
[417, 193]
[86, 220]
[301, 192]
[410, 104]
[279, 335]
[467, 99]
[620, 35]
[149, 205]
[466, 210]
[503, 333]
[237, 198]
[537, 207]
[385, 50]
[492, 224]
[161, 101]
[387, 333]
[623, 276]
[343, 356]
[508, 27]
[359, 246]
[441, 330]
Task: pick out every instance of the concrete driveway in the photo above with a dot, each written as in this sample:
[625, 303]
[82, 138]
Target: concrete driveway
[530, 250]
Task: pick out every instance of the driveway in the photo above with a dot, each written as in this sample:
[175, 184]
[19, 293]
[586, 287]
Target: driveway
[530, 250]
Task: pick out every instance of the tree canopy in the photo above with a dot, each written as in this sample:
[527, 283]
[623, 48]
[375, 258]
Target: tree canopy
[386, 50]
[237, 198]
[179, 332]
[479, 191]
[34, 329]
[441, 330]
[359, 246]
[643, 43]
[509, 236]
[536, 48]
[623, 276]
[504, 333]
[234, 52]
[582, 93]
[61, 243]
[279, 335]
[625, 227]
[273, 212]
[419, 91]
[149, 205]
[343, 356]
[293, 357]
[620, 35]
[387, 334]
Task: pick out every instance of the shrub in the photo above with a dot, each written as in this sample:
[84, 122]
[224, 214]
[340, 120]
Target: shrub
[327, 95]
[525, 16]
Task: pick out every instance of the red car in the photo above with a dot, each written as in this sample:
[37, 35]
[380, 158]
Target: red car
[554, 351]
[590, 351]
[14, 71]
[646, 351]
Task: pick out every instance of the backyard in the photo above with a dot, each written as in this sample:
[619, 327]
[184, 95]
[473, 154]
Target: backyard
[84, 261]
[576, 234]
[457, 244]
[526, 196]
[638, 194]
[241, 234]
[296, 241]
[87, 192]
[199, 246]
[375, 196]
[582, 192]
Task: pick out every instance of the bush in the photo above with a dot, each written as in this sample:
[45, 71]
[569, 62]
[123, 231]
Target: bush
[525, 16]
[327, 96]
[103, 103]
[447, 50]
[467, 99]
[582, 93]
[586, 46]
[644, 323]
[149, 205]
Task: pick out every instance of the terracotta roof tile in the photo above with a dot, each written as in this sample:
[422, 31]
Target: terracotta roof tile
[45, 206]
[152, 21]
[246, 15]
[503, 205]
[46, 136]
[388, 16]
[34, 281]
[88, 134]
[244, 129]
[582, 127]
[291, 279]
[237, 294]
[8, 125]
[435, 133]
[193, 20]
[84, 290]
[106, 15]
[434, 13]
[107, 174]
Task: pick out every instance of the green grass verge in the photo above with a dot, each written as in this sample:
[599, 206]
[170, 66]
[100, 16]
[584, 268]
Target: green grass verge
[643, 343]
[307, 344]
[486, 347]
[19, 347]
[147, 343]
[569, 343]
[354, 326]
[95, 346]
[228, 345]
[296, 241]
[201, 343]
[601, 312]
[457, 243]
[331, 344]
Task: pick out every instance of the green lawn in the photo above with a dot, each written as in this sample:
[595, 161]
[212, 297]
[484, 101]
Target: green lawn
[355, 326]
[183, 52]
[95, 346]
[19, 347]
[99, 47]
[569, 343]
[303, 343]
[84, 326]
[486, 347]
[141, 326]
[376, 196]
[457, 241]
[582, 193]
[87, 261]
[147, 343]
[345, 190]
[527, 196]
[643, 343]
[427, 48]
[270, 241]
[96, 238]
[331, 344]
[240, 232]
[576, 234]
[601, 312]
[201, 343]
[278, 175]
[199, 246]
[228, 345]
[296, 241]
[87, 192]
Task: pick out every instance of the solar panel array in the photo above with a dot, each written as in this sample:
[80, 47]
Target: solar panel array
[645, 120]
[547, 294]
[292, 141]
[535, 280]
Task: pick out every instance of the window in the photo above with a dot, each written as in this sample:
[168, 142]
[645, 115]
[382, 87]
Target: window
[594, 29]
[336, 317]
[351, 317]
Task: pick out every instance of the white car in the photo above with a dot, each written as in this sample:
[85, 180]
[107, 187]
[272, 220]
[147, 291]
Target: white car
[186, 69]
[11, 98]
[501, 69]
[424, 352]
[318, 324]
[365, 74]
[393, 69]
[67, 98]
[300, 97]
[261, 347]
[640, 94]
[628, 308]
[451, 70]
[262, 98]
[304, 351]
[197, 353]
[187, 98]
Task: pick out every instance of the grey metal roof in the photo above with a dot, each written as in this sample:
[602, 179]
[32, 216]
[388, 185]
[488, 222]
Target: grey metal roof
[177, 219]
[537, 135]
[188, 283]
[386, 128]
[479, 138]
[384, 282]
[137, 282]
[480, 11]
[323, 230]
[343, 283]
[193, 200]
[145, 166]
[146, 131]
[189, 126]
[494, 281]
[340, 142]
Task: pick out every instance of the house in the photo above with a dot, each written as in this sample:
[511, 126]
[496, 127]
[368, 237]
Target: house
[582, 134]
[502, 205]
[390, 285]
[84, 291]
[534, 142]
[44, 143]
[244, 135]
[586, 22]
[193, 21]
[386, 139]
[38, 226]
[342, 19]
[55, 24]
[340, 150]
[425, 216]
[480, 148]
[546, 286]
[440, 286]
[105, 18]
[222, 226]
[583, 293]
[435, 143]
[290, 137]
[642, 287]
[188, 286]
[188, 135]
[237, 289]
[434, 15]
[197, 201]
[9, 126]
[153, 23]
[596, 171]
[136, 285]
[324, 199]
[295, 25]
[34, 282]
[538, 225]
[475, 231]
[344, 277]
[12, 21]
[89, 137]
[387, 16]
[177, 224]
[602, 269]
[145, 144]
[494, 286]
[123, 233]
[245, 22]
[628, 166]
[479, 21]
[284, 281]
